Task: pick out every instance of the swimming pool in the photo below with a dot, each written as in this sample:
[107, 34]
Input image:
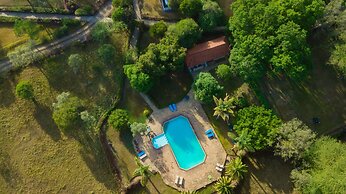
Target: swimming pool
[184, 143]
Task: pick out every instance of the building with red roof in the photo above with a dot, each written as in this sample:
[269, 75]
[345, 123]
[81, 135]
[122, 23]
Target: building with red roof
[200, 55]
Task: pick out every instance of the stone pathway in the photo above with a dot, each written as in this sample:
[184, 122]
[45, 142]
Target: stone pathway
[149, 102]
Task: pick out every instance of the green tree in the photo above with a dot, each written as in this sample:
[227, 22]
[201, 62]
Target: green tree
[236, 169]
[75, 61]
[143, 171]
[25, 90]
[138, 128]
[243, 144]
[158, 29]
[259, 124]
[119, 119]
[325, 172]
[102, 30]
[211, 15]
[224, 108]
[190, 8]
[338, 55]
[139, 80]
[23, 55]
[88, 119]
[66, 111]
[224, 72]
[22, 27]
[294, 137]
[225, 185]
[292, 53]
[205, 87]
[187, 32]
[106, 53]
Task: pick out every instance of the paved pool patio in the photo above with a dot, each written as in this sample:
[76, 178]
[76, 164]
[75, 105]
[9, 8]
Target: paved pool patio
[163, 161]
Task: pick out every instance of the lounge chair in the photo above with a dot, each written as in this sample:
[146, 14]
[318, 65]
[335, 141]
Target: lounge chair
[141, 153]
[174, 107]
[219, 169]
[219, 165]
[171, 108]
[208, 131]
[181, 181]
[177, 180]
[143, 156]
[211, 135]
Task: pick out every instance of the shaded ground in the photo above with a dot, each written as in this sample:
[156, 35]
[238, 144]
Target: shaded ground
[152, 9]
[226, 6]
[171, 88]
[45, 3]
[267, 174]
[40, 158]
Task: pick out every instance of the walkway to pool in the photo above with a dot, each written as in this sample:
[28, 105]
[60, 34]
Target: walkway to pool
[163, 161]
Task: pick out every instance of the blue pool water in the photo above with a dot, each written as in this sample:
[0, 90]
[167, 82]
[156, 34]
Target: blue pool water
[184, 143]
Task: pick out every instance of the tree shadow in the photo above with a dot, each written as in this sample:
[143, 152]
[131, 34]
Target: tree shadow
[43, 116]
[7, 95]
[126, 137]
[7, 171]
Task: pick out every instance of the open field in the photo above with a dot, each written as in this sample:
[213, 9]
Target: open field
[41, 159]
[322, 95]
[45, 3]
[153, 9]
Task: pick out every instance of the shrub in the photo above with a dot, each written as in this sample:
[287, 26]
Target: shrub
[206, 86]
[25, 90]
[61, 32]
[146, 113]
[107, 53]
[119, 119]
[158, 30]
[224, 72]
[86, 10]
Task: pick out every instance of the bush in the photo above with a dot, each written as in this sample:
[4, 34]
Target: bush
[158, 30]
[206, 86]
[224, 72]
[119, 119]
[107, 53]
[146, 113]
[187, 31]
[86, 10]
[25, 90]
[61, 32]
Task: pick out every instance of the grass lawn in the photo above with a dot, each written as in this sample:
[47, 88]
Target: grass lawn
[45, 3]
[322, 95]
[41, 159]
[153, 9]
[171, 88]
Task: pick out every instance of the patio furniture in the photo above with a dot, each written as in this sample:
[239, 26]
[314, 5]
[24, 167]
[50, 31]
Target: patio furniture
[141, 155]
[208, 131]
[181, 181]
[171, 108]
[177, 180]
[174, 107]
[219, 165]
[219, 169]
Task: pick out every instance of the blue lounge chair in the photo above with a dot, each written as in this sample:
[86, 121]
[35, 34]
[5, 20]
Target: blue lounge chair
[208, 131]
[171, 108]
[211, 135]
[141, 153]
[174, 107]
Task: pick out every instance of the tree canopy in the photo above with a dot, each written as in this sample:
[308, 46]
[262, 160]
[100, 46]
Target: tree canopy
[106, 53]
[119, 119]
[269, 26]
[25, 90]
[187, 32]
[294, 137]
[210, 16]
[23, 55]
[224, 72]
[158, 30]
[205, 87]
[137, 128]
[259, 124]
[22, 27]
[66, 111]
[325, 173]
[102, 30]
[75, 61]
[190, 8]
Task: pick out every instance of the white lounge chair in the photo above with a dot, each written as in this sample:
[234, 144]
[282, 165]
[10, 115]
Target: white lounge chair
[177, 180]
[143, 156]
[219, 169]
[220, 166]
[181, 181]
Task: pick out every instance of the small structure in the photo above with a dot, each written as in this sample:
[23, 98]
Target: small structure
[200, 55]
[165, 6]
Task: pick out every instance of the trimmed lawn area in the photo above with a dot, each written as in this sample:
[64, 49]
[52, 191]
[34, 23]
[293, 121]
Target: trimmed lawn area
[171, 88]
[39, 158]
[322, 95]
[153, 9]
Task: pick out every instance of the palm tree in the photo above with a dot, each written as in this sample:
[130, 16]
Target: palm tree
[243, 144]
[236, 169]
[224, 107]
[225, 185]
[143, 171]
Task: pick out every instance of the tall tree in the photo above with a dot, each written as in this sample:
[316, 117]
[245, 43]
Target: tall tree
[205, 87]
[259, 124]
[139, 80]
[294, 137]
[186, 31]
[190, 8]
[22, 27]
[211, 15]
[143, 171]
[225, 185]
[75, 61]
[224, 107]
[23, 55]
[106, 53]
[158, 29]
[25, 90]
[119, 119]
[236, 169]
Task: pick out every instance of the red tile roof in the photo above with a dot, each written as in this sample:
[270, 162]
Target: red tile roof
[207, 51]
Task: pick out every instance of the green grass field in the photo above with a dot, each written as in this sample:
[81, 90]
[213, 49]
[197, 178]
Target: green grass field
[41, 159]
[44, 3]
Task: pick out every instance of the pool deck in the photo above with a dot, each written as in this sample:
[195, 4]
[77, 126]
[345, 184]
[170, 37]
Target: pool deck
[163, 161]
